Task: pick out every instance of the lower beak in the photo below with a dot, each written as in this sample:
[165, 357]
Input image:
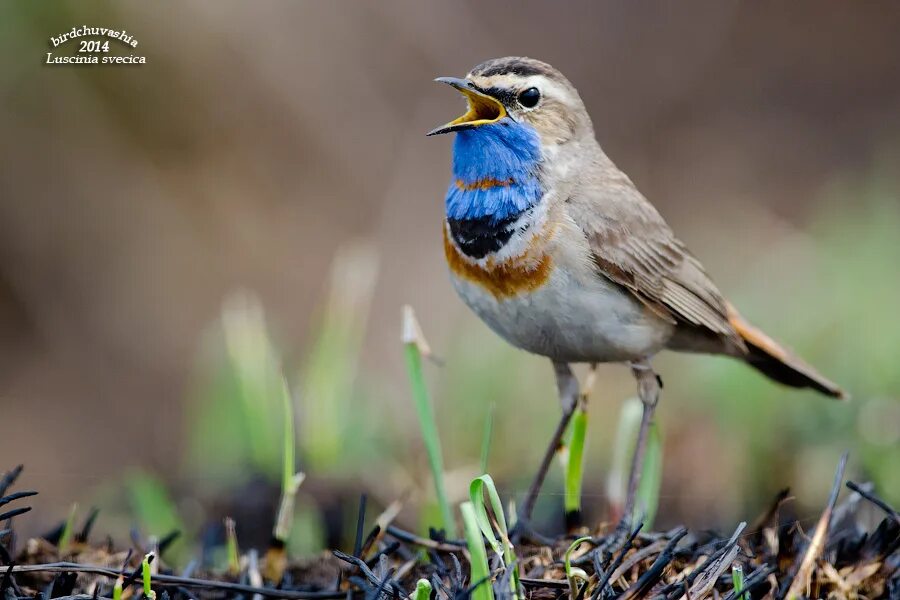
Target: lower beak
[483, 109]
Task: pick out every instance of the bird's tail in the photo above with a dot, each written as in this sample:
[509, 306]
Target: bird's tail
[777, 362]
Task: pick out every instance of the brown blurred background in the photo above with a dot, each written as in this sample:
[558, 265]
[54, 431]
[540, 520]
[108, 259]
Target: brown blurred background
[262, 137]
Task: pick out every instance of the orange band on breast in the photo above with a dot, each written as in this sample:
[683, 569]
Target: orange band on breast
[505, 279]
[483, 184]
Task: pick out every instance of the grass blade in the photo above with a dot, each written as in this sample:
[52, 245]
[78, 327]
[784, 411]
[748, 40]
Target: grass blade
[480, 574]
[575, 465]
[626, 434]
[276, 555]
[290, 479]
[414, 343]
[155, 509]
[255, 365]
[146, 576]
[502, 546]
[289, 442]
[651, 478]
[334, 427]
[737, 578]
[476, 496]
[573, 574]
[423, 590]
[68, 532]
[231, 548]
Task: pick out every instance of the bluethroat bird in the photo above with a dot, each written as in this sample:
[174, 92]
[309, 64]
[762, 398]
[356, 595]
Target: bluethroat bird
[559, 253]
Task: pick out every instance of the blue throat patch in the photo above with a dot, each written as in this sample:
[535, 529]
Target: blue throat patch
[495, 171]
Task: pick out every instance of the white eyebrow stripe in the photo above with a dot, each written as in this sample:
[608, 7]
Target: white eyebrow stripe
[547, 86]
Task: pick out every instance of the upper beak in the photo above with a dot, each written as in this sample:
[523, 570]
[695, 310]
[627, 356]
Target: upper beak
[483, 109]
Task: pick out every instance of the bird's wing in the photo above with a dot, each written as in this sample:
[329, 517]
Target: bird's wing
[634, 247]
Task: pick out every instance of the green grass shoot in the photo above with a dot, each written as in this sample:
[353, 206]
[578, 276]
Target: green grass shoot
[502, 546]
[647, 496]
[574, 574]
[285, 518]
[336, 429]
[289, 443]
[575, 462]
[68, 532]
[261, 379]
[255, 366]
[231, 547]
[423, 590]
[414, 347]
[117, 588]
[146, 576]
[476, 496]
[290, 479]
[480, 574]
[623, 449]
[737, 578]
[155, 510]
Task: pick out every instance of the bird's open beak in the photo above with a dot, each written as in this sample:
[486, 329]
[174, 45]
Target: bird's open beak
[483, 109]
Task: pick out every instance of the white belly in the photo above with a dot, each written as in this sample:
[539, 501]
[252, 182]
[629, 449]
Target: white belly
[576, 316]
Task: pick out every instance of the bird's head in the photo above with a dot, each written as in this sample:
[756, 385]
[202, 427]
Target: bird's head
[518, 90]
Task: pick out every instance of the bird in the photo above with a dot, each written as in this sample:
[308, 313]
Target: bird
[556, 250]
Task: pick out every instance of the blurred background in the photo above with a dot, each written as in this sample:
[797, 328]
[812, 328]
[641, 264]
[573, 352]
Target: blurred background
[278, 148]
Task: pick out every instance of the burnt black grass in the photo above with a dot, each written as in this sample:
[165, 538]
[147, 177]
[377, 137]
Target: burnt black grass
[839, 558]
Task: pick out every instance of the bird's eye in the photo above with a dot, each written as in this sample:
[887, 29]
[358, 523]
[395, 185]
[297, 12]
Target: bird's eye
[529, 98]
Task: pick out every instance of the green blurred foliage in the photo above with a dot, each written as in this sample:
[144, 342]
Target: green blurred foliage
[154, 509]
[336, 429]
[236, 428]
[237, 424]
[237, 413]
[849, 330]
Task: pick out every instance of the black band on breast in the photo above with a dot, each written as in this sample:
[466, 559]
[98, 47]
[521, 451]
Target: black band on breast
[479, 237]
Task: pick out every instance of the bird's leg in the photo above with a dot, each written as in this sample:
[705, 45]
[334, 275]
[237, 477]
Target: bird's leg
[567, 387]
[649, 385]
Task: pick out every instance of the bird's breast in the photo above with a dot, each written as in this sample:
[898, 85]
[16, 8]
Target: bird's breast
[504, 259]
[542, 293]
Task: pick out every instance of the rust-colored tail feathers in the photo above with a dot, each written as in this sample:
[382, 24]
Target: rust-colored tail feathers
[773, 360]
